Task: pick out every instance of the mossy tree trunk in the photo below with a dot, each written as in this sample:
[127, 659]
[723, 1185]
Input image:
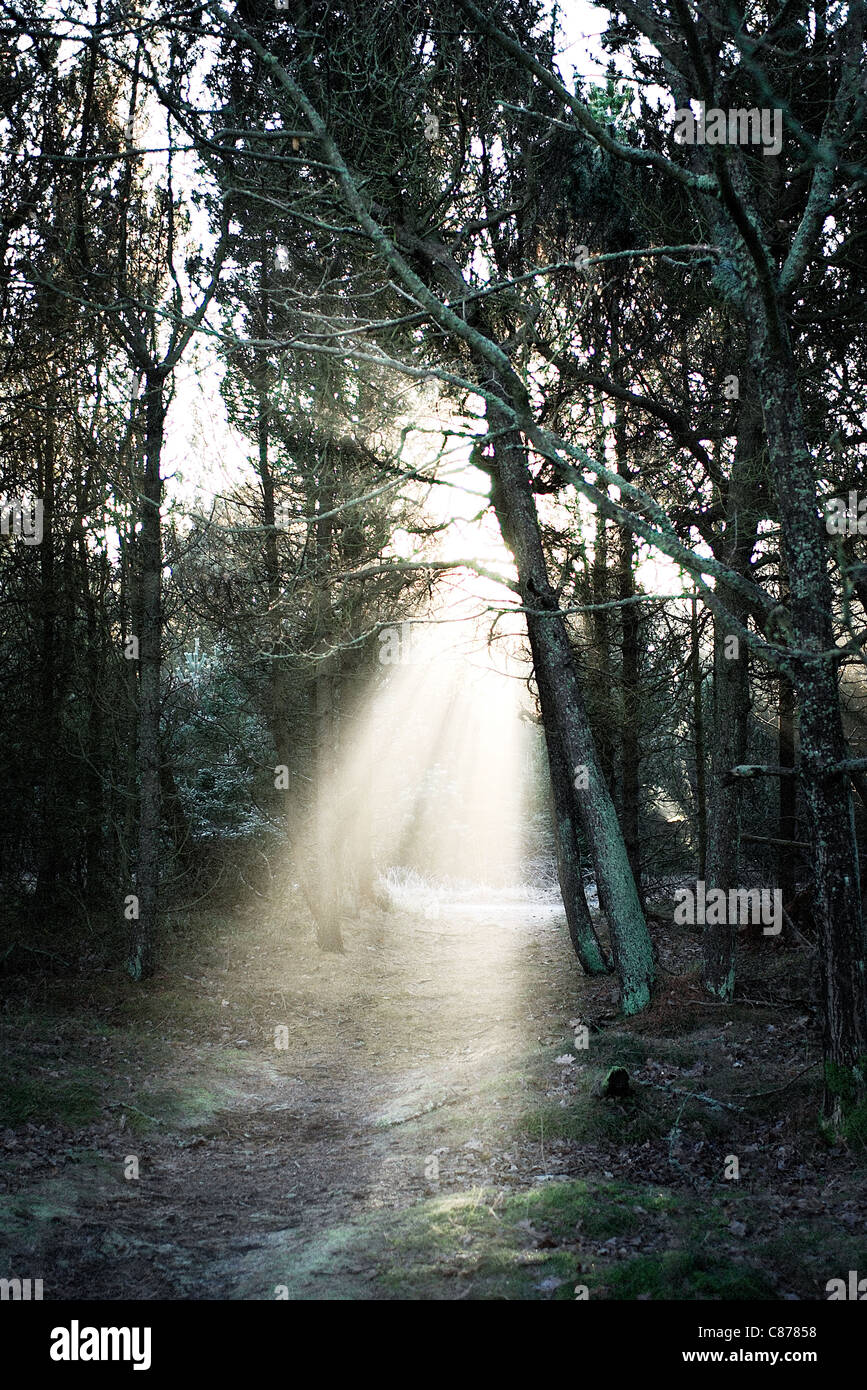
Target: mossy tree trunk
[582, 933]
[555, 668]
[827, 793]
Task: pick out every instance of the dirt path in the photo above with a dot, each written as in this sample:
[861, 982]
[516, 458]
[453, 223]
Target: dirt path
[425, 1127]
[385, 1089]
[390, 1089]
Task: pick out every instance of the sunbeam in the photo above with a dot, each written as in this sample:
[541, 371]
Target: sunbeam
[433, 781]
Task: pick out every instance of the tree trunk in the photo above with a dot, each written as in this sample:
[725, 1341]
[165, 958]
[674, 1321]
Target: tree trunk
[327, 887]
[47, 864]
[828, 795]
[731, 698]
[328, 857]
[788, 786]
[730, 723]
[271, 548]
[599, 674]
[698, 724]
[94, 786]
[630, 625]
[271, 557]
[630, 737]
[554, 664]
[130, 625]
[788, 793]
[582, 933]
[142, 943]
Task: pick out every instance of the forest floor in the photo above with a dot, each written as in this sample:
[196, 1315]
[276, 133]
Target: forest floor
[429, 1130]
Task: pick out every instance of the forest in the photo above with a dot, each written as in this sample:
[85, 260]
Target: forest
[433, 616]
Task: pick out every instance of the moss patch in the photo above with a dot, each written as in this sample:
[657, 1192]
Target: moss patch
[688, 1274]
[845, 1087]
[66, 1101]
[537, 1244]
